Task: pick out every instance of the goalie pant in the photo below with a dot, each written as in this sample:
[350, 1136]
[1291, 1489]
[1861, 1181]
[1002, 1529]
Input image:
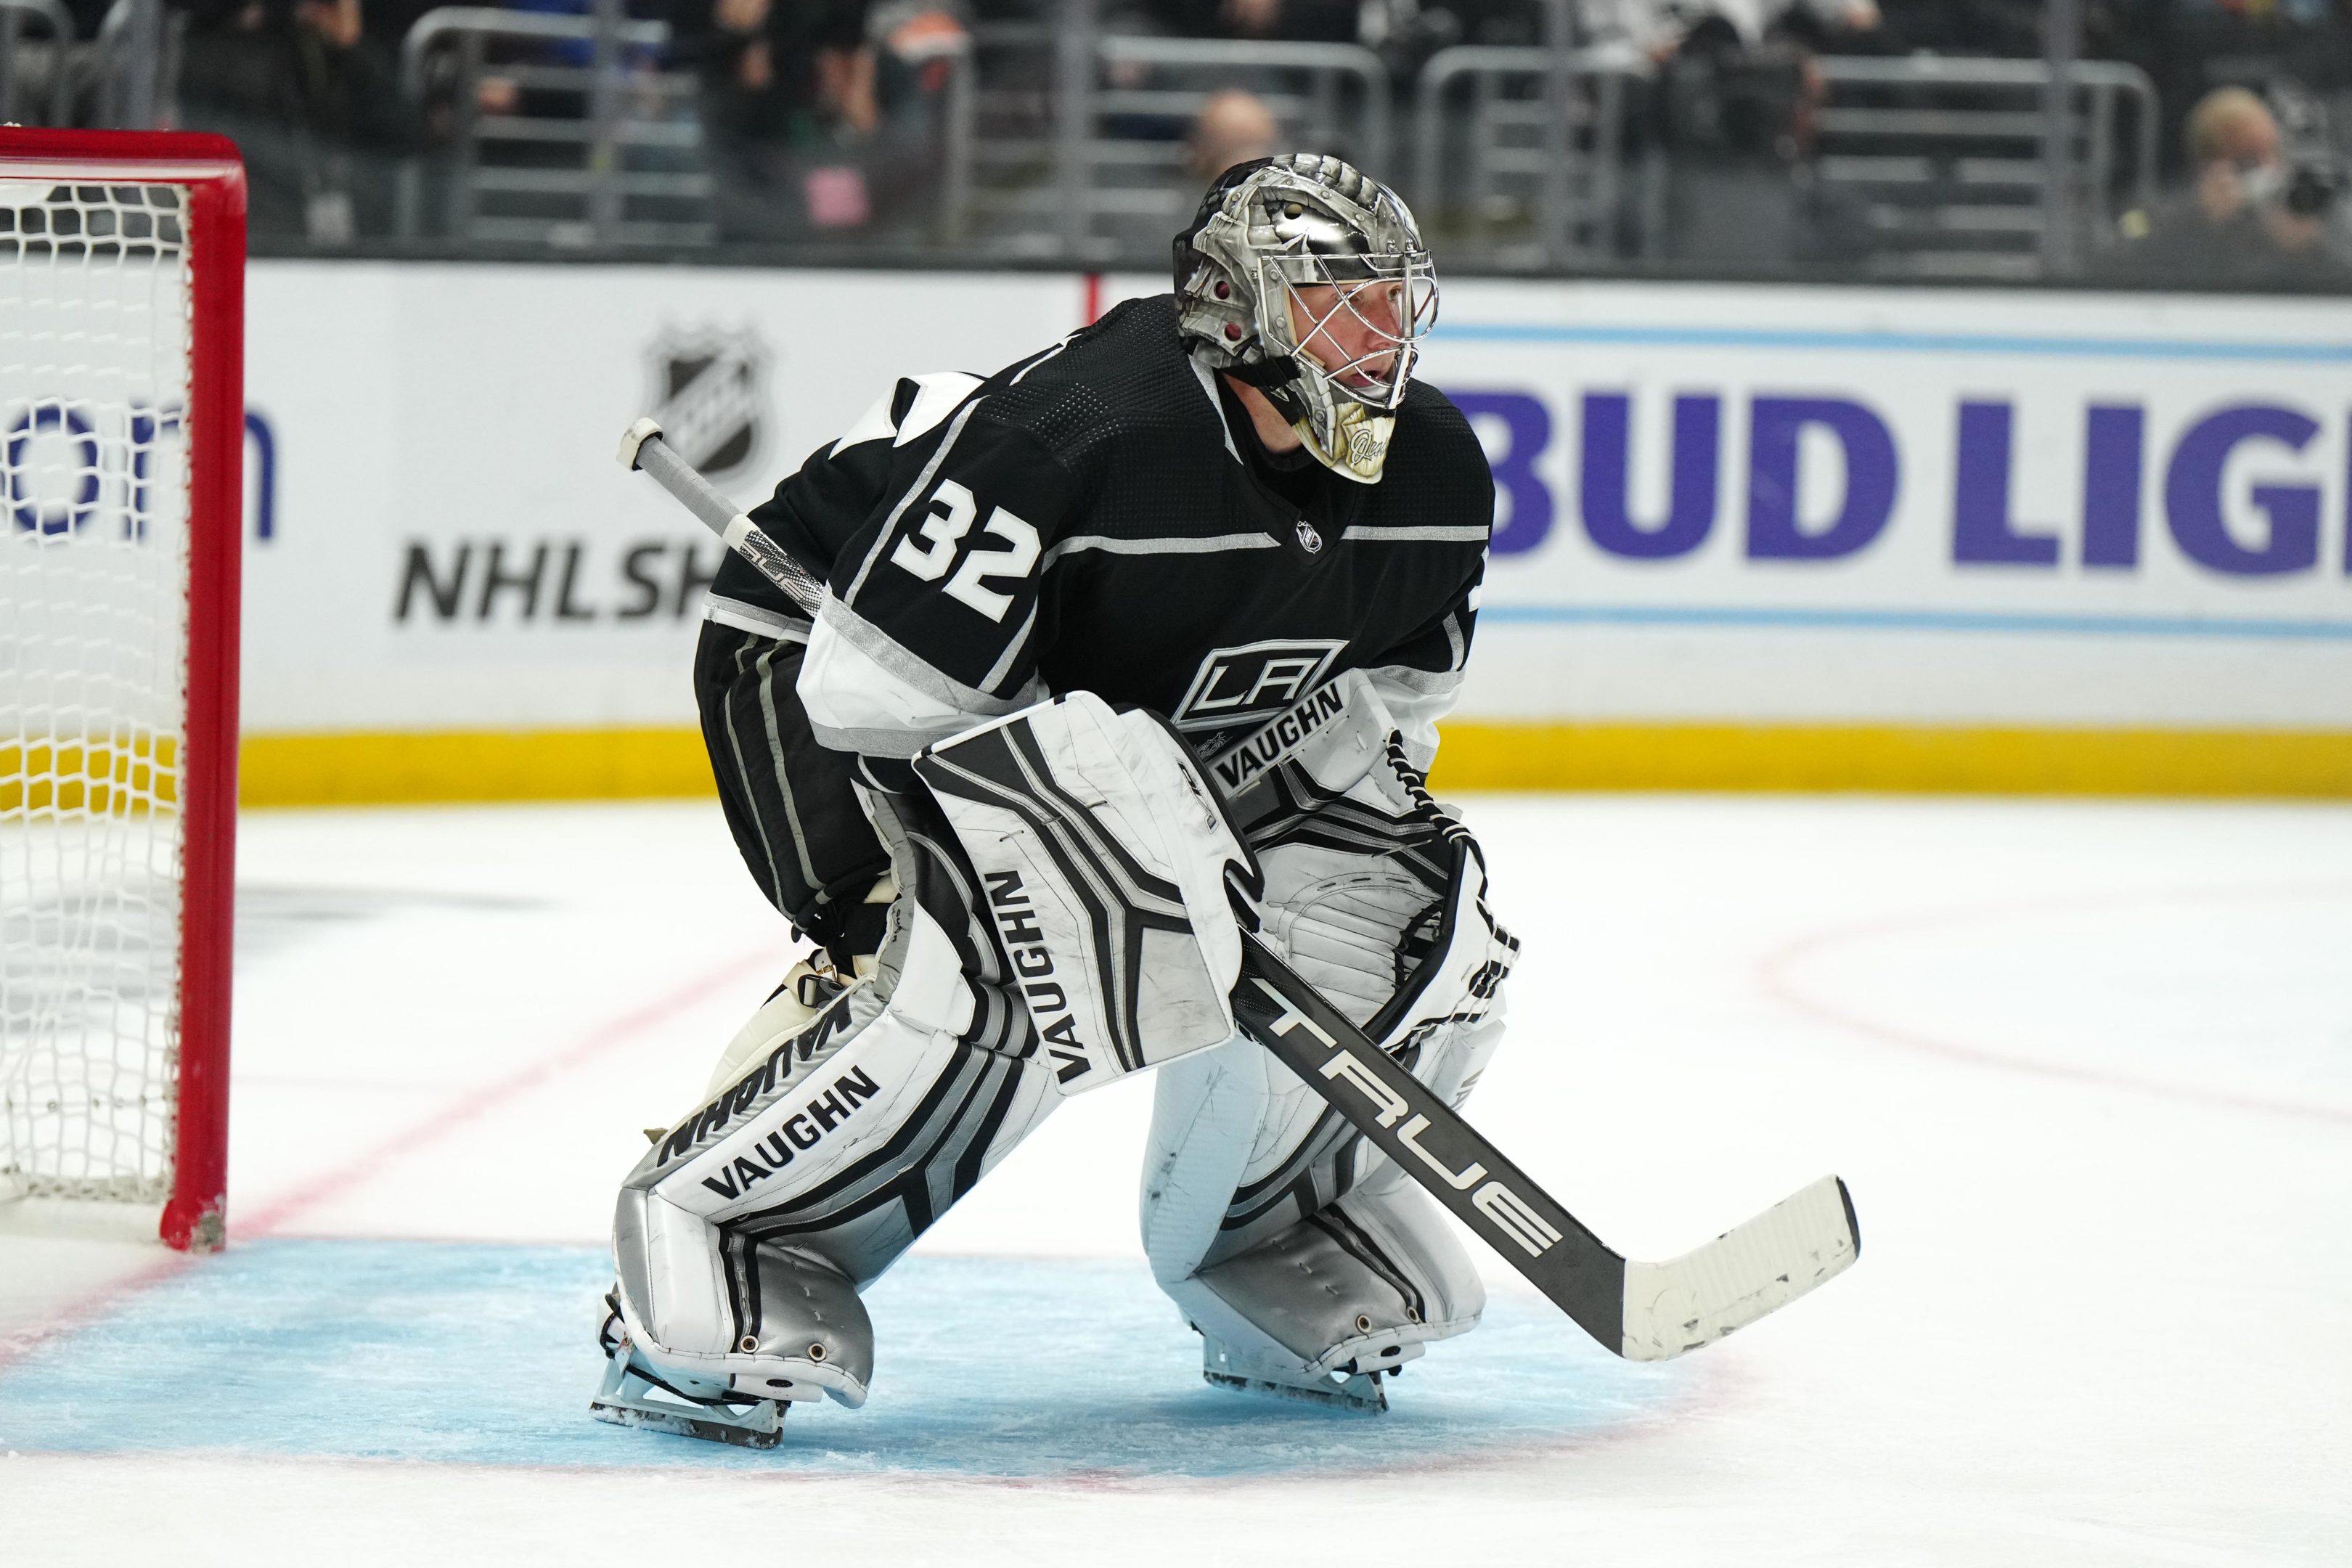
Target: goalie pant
[1042, 947]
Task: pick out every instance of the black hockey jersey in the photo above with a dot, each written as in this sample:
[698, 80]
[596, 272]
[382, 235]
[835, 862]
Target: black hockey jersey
[1087, 520]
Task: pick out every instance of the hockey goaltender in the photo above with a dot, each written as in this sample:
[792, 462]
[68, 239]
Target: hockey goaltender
[1213, 508]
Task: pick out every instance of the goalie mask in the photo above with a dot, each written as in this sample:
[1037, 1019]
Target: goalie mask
[1307, 281]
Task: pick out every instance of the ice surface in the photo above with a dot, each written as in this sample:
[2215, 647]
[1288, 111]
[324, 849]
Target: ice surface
[2088, 1068]
[350, 1349]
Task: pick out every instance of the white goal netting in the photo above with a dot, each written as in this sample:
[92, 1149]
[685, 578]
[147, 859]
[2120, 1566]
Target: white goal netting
[94, 376]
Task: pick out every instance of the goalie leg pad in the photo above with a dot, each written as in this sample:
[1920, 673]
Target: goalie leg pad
[806, 1334]
[741, 1238]
[1286, 1282]
[788, 1010]
[1360, 1287]
[1266, 1217]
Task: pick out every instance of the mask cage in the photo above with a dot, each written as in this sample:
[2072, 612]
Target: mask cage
[1389, 299]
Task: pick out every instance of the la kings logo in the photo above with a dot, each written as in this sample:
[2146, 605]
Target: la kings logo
[1252, 682]
[711, 396]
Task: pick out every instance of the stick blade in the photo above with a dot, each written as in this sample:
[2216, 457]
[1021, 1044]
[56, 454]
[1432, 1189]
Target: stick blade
[1790, 1248]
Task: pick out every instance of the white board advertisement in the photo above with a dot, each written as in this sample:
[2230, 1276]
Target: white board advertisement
[1747, 504]
[1822, 504]
[440, 537]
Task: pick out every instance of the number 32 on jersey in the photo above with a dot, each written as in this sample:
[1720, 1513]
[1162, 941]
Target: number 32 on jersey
[946, 521]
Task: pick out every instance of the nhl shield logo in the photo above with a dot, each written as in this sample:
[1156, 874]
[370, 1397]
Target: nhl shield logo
[711, 396]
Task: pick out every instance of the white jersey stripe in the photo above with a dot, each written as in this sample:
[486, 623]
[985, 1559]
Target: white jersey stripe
[1211, 544]
[753, 618]
[1452, 534]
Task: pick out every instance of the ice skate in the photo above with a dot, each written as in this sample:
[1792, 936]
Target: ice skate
[1347, 1388]
[634, 1394]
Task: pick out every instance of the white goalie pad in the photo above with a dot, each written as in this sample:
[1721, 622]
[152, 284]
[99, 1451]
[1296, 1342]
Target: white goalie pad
[836, 1147]
[1102, 856]
[1272, 1225]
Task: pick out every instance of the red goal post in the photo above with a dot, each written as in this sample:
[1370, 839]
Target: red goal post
[104, 765]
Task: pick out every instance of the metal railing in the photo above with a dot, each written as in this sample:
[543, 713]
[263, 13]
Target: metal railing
[123, 78]
[1949, 161]
[956, 107]
[1542, 177]
[1056, 138]
[1075, 128]
[582, 165]
[41, 73]
[136, 64]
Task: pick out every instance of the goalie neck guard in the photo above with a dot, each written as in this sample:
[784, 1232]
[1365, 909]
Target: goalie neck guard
[1308, 280]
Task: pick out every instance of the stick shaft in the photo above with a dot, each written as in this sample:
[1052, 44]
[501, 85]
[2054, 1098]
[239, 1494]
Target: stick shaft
[735, 529]
[675, 474]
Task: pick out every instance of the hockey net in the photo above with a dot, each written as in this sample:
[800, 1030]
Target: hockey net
[122, 265]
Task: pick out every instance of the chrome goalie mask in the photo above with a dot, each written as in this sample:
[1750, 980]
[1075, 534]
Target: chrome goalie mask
[1307, 281]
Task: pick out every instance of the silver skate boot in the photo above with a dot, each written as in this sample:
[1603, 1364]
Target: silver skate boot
[1328, 1308]
[809, 1337]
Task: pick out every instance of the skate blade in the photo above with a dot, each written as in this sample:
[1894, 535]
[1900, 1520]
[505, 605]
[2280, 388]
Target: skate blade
[762, 1428]
[1361, 1391]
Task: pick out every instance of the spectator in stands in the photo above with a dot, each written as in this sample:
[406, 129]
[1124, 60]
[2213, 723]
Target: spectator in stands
[2245, 219]
[1825, 26]
[1294, 21]
[498, 93]
[1506, 23]
[788, 99]
[1234, 127]
[1740, 123]
[2003, 28]
[314, 104]
[1658, 28]
[820, 112]
[388, 21]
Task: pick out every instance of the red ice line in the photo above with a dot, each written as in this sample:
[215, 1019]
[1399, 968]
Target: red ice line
[498, 1096]
[1774, 978]
[467, 1109]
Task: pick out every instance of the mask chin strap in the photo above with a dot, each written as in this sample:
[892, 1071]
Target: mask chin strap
[1276, 377]
[1265, 374]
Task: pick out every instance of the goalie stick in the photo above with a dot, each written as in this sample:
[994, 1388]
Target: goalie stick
[1643, 1312]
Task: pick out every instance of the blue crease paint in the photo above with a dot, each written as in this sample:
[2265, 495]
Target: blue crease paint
[484, 1354]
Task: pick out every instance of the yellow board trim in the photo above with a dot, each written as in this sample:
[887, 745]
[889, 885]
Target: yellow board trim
[407, 767]
[1895, 758]
[347, 769]
[121, 774]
